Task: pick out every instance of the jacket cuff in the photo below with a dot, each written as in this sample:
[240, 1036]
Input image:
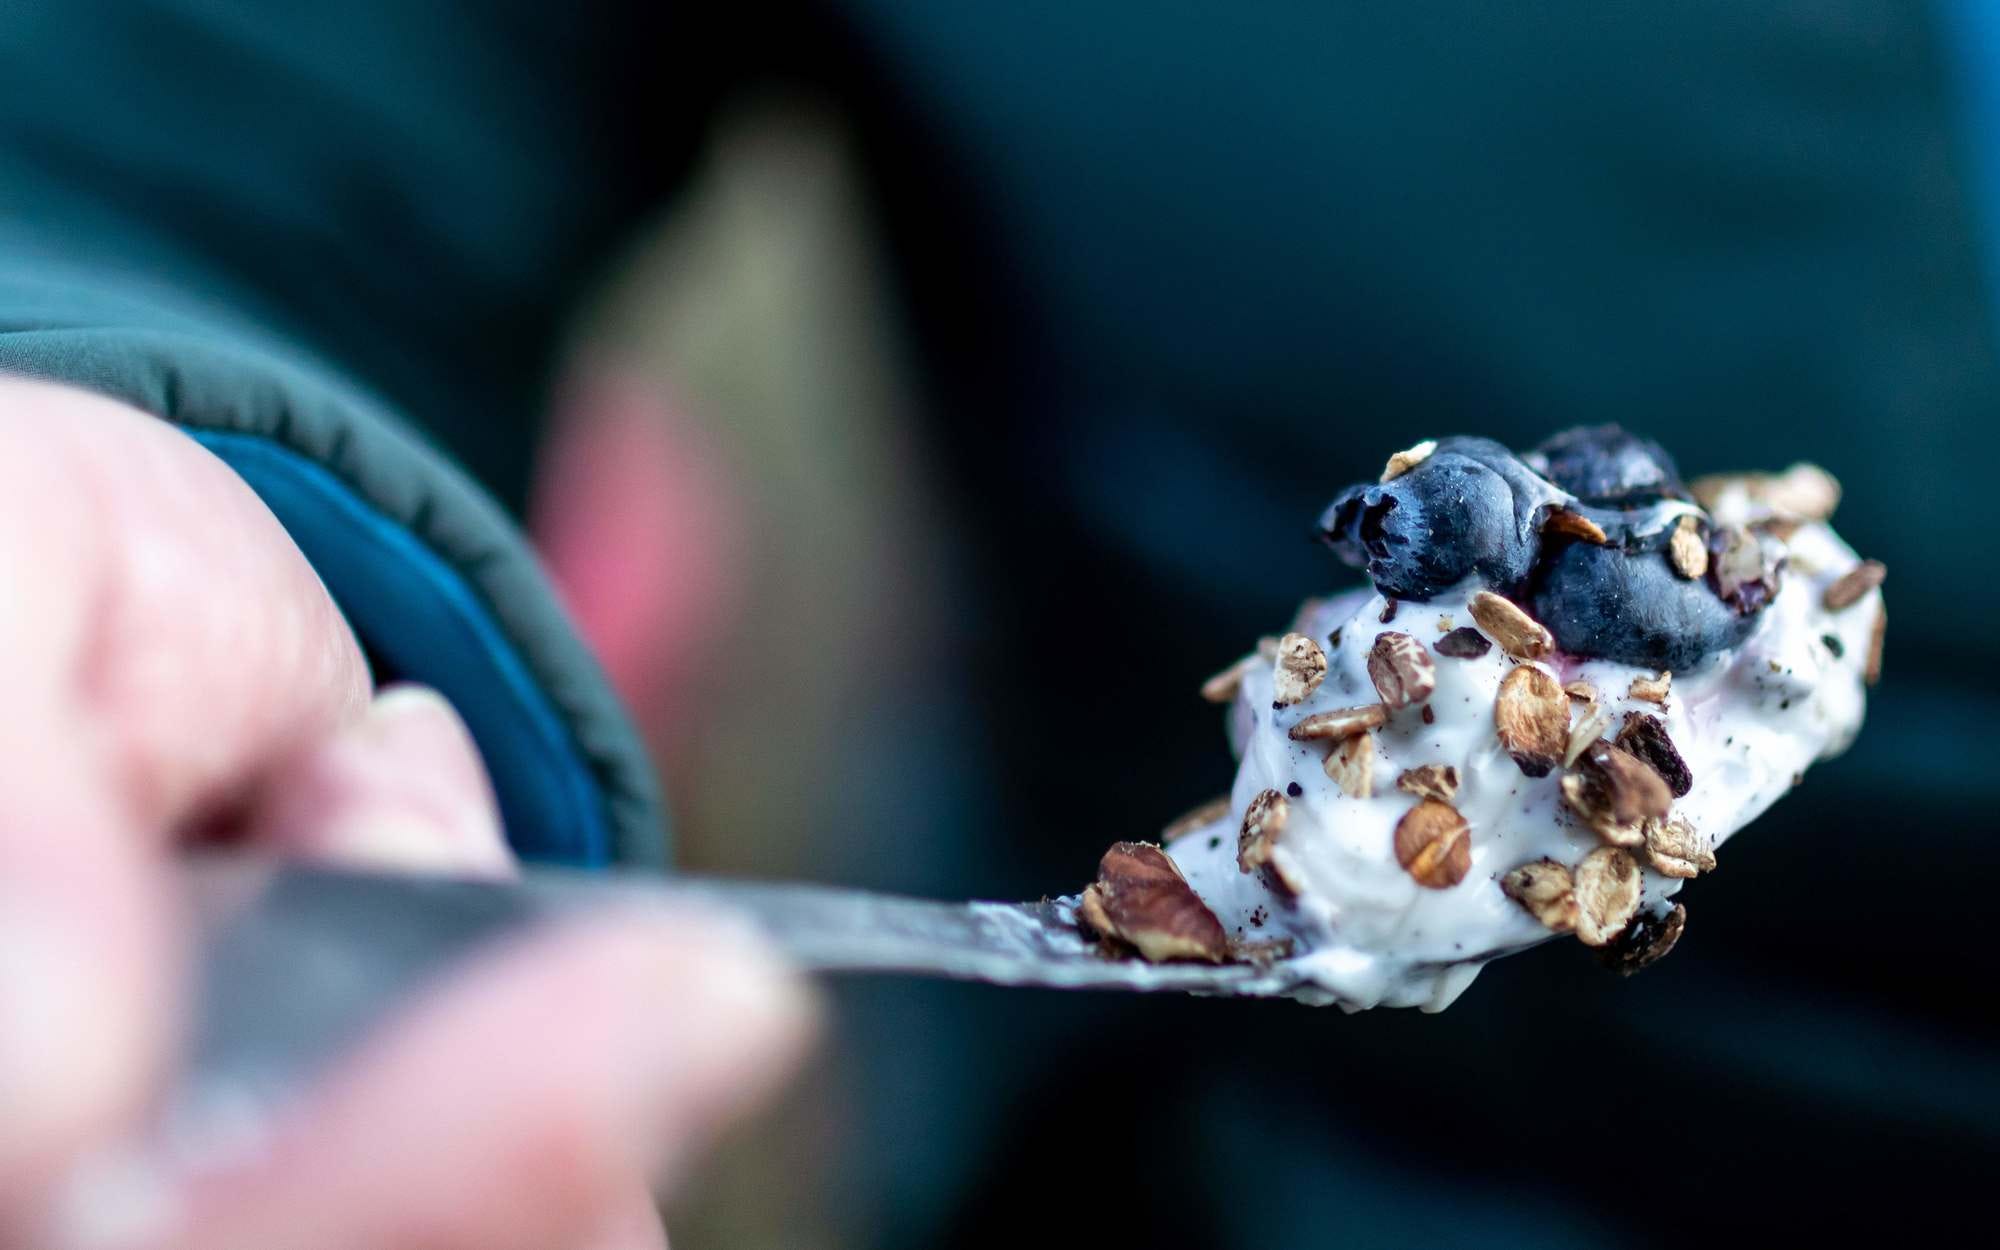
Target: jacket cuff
[434, 579]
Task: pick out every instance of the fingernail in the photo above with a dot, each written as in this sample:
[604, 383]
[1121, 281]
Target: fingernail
[415, 712]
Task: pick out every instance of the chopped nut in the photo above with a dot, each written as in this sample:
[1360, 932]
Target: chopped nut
[1444, 623]
[1141, 898]
[1351, 765]
[1263, 824]
[1298, 670]
[1675, 850]
[1335, 725]
[1853, 584]
[1223, 687]
[1608, 885]
[1780, 529]
[1566, 524]
[1646, 941]
[1463, 643]
[1871, 669]
[1403, 672]
[1588, 728]
[1403, 461]
[1651, 689]
[1518, 634]
[1545, 889]
[1531, 716]
[1615, 792]
[1434, 844]
[1200, 818]
[1581, 691]
[1646, 737]
[1685, 549]
[1430, 781]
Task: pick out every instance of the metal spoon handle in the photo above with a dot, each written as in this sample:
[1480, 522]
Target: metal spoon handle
[297, 962]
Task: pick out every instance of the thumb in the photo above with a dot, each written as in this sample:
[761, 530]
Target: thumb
[402, 788]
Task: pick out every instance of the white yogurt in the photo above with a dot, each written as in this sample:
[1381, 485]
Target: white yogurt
[1747, 722]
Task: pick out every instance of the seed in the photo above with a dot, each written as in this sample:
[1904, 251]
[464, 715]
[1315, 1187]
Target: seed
[1566, 524]
[1653, 689]
[1608, 885]
[1616, 792]
[1434, 844]
[1403, 461]
[1685, 549]
[1674, 849]
[1263, 824]
[1403, 672]
[1298, 670]
[1853, 584]
[1351, 765]
[1871, 670]
[1222, 687]
[1200, 818]
[1531, 717]
[1341, 723]
[1545, 889]
[1430, 781]
[1518, 634]
[1588, 729]
[1803, 492]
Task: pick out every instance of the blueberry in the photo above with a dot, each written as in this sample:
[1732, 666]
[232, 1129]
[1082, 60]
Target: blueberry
[1424, 530]
[1469, 507]
[1631, 608]
[1606, 466]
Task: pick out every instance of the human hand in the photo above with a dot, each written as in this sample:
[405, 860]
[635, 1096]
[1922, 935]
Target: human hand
[174, 672]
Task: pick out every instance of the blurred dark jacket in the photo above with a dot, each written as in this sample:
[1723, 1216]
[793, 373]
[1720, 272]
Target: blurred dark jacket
[1178, 272]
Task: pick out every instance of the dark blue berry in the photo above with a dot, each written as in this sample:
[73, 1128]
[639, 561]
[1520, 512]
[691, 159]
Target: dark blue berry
[1605, 466]
[1452, 515]
[1631, 608]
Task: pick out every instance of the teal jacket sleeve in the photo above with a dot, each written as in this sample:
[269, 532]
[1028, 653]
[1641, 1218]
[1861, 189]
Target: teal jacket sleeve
[298, 237]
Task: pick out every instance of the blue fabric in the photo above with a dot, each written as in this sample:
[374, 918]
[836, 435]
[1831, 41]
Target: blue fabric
[416, 612]
[1971, 40]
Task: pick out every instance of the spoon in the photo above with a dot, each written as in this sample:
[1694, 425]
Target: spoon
[296, 962]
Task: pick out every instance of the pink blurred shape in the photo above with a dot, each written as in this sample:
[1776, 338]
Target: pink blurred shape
[637, 515]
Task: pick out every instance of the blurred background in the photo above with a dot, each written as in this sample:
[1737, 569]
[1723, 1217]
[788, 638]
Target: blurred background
[995, 334]
[941, 390]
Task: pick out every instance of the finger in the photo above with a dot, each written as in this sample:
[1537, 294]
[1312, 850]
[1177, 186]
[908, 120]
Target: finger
[514, 1109]
[161, 639]
[401, 788]
[633, 1224]
[192, 638]
[87, 962]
